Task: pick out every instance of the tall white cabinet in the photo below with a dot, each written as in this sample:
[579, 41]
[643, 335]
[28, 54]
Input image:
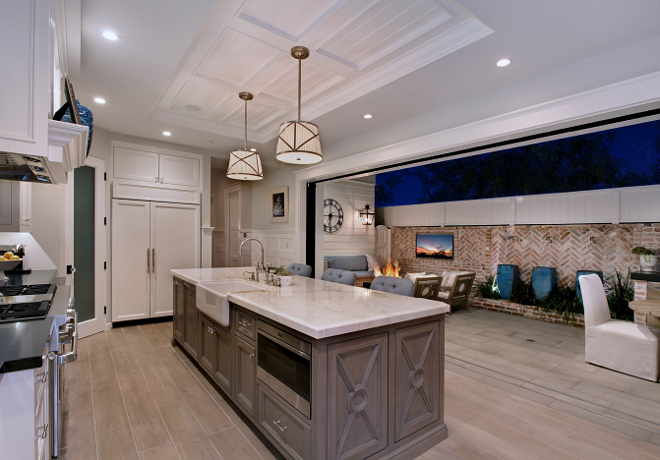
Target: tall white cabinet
[148, 240]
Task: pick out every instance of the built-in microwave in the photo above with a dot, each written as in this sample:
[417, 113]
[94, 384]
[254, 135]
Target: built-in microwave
[285, 365]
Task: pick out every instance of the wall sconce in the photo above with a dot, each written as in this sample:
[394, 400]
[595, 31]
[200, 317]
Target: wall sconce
[367, 215]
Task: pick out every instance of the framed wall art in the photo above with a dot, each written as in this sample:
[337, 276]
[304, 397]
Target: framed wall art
[279, 204]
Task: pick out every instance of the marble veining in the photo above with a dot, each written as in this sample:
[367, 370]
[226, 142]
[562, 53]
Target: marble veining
[318, 308]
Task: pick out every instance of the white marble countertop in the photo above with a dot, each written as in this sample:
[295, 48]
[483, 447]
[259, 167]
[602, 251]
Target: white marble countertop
[318, 308]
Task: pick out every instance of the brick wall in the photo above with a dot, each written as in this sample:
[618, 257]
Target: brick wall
[526, 311]
[566, 247]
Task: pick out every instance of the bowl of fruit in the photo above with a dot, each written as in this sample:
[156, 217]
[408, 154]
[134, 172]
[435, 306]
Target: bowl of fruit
[7, 262]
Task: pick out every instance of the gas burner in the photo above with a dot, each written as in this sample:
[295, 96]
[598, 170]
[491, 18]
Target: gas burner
[31, 289]
[25, 302]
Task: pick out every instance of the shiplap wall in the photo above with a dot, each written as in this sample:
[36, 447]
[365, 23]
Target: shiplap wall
[353, 238]
[624, 205]
[278, 246]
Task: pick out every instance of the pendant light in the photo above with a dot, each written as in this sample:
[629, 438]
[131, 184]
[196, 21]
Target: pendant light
[245, 164]
[298, 141]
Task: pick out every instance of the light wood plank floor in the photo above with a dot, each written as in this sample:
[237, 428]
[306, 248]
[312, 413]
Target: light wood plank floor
[132, 396]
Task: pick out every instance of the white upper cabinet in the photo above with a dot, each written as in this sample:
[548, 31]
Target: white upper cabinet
[135, 165]
[175, 170]
[25, 76]
[155, 167]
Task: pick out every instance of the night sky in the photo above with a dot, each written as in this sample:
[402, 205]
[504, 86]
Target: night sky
[636, 147]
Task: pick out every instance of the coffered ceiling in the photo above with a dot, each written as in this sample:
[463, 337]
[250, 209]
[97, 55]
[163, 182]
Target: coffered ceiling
[355, 47]
[419, 66]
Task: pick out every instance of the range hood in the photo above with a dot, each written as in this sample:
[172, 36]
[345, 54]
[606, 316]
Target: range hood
[67, 148]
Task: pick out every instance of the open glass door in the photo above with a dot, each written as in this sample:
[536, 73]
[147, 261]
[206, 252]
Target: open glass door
[89, 246]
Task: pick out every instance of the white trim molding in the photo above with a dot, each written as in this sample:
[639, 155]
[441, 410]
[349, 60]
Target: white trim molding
[547, 116]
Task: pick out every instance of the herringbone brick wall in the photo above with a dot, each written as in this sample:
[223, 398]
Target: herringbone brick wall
[566, 247]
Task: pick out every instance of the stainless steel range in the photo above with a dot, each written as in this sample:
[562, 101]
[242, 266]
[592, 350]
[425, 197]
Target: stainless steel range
[20, 303]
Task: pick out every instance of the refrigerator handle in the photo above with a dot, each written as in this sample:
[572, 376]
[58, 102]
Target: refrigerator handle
[148, 262]
[153, 259]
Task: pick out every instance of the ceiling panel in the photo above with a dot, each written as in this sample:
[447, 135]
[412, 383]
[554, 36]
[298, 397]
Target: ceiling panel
[199, 100]
[315, 79]
[387, 26]
[259, 115]
[289, 21]
[236, 58]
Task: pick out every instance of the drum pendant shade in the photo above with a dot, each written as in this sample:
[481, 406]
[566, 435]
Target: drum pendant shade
[298, 141]
[245, 164]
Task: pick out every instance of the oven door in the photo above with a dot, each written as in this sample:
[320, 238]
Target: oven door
[285, 369]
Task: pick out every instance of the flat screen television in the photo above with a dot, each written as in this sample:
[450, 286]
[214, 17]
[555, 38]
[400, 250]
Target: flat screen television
[435, 245]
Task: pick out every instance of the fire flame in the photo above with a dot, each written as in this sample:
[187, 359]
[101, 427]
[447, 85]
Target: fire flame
[391, 269]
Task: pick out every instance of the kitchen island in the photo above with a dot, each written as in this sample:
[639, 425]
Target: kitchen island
[323, 370]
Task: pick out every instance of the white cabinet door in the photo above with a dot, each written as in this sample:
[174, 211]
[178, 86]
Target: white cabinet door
[25, 205]
[175, 235]
[176, 170]
[9, 206]
[25, 76]
[135, 164]
[130, 246]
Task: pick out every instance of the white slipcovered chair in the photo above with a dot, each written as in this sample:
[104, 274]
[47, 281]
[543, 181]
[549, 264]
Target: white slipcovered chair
[619, 345]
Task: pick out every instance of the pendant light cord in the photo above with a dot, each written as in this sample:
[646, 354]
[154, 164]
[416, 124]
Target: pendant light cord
[299, 84]
[246, 124]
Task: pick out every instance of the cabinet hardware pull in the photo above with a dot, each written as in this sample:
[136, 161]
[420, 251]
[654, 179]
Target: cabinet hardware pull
[277, 424]
[211, 329]
[148, 262]
[156, 180]
[251, 355]
[244, 323]
[153, 259]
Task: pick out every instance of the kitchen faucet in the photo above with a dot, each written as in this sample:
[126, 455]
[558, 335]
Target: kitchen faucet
[240, 251]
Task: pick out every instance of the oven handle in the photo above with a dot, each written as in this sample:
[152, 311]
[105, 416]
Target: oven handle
[73, 354]
[302, 354]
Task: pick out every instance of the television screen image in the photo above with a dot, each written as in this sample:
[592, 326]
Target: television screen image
[435, 246]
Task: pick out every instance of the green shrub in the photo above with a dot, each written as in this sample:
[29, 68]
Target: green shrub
[562, 301]
[522, 293]
[620, 291]
[486, 288]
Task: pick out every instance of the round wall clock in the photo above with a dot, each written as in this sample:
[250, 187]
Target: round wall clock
[333, 216]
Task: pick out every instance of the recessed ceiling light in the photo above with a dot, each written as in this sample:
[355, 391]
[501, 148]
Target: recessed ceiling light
[503, 62]
[110, 35]
[368, 115]
[167, 133]
[99, 100]
[193, 107]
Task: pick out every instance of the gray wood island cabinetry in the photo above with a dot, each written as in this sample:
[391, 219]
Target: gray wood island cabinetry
[371, 393]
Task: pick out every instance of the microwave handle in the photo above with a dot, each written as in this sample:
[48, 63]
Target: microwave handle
[267, 336]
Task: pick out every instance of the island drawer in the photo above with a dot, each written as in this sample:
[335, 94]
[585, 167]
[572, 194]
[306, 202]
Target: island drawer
[246, 324]
[289, 431]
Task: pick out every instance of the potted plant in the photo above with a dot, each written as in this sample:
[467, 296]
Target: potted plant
[647, 258]
[507, 274]
[584, 271]
[544, 279]
[286, 277]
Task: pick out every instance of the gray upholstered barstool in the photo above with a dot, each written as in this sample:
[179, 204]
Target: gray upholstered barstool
[337, 275]
[300, 269]
[393, 285]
